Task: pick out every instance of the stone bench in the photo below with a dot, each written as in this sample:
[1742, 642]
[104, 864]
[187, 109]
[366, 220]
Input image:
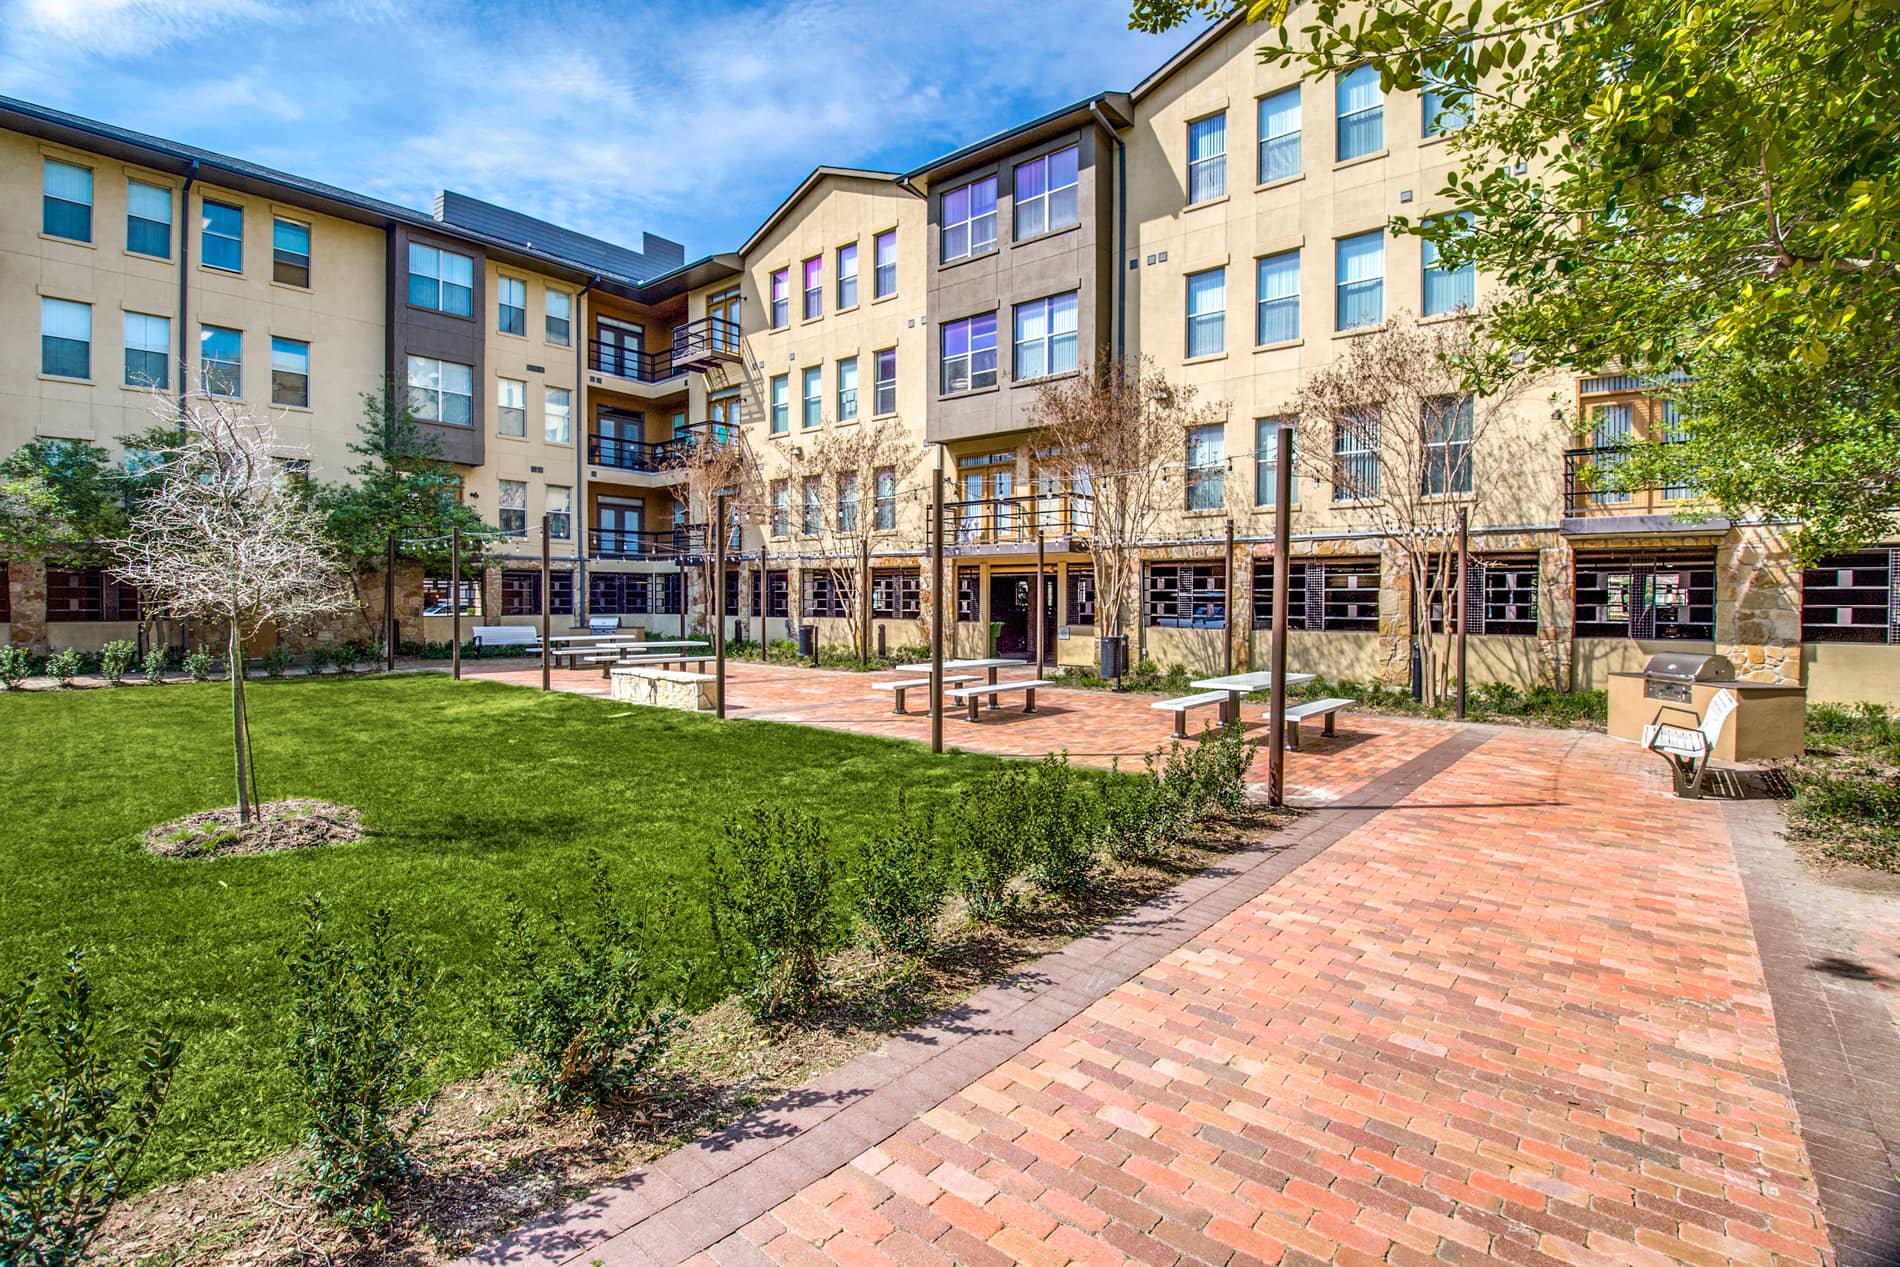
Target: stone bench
[972, 695]
[1180, 706]
[664, 688]
[1297, 713]
[919, 684]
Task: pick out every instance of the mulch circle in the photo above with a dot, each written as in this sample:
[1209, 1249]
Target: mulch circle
[276, 827]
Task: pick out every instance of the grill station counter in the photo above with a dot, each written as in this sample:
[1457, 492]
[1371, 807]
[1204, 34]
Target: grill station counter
[1767, 723]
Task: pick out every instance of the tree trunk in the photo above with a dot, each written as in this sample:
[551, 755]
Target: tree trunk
[240, 727]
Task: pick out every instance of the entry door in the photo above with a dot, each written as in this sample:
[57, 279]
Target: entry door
[622, 424]
[724, 307]
[619, 521]
[620, 346]
[724, 412]
[1612, 427]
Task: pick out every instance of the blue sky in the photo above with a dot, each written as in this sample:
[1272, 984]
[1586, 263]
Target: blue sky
[691, 120]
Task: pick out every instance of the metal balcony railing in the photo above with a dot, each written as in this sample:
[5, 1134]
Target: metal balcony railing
[702, 343]
[607, 357]
[1017, 520]
[1588, 490]
[657, 455]
[688, 541]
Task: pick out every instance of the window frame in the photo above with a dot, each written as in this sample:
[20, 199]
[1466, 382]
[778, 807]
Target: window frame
[969, 222]
[205, 362]
[440, 392]
[1167, 586]
[442, 283]
[1352, 448]
[779, 405]
[565, 412]
[812, 279]
[162, 381]
[779, 301]
[880, 384]
[1462, 280]
[847, 396]
[1266, 461]
[549, 295]
[1268, 139]
[1447, 469]
[878, 289]
[47, 306]
[811, 388]
[1341, 299]
[503, 281]
[1047, 200]
[1206, 473]
[1345, 120]
[503, 410]
[1215, 320]
[49, 200]
[1051, 341]
[503, 510]
[208, 234]
[1282, 303]
[278, 262]
[847, 297]
[1209, 168]
[971, 355]
[884, 499]
[290, 346]
[171, 214]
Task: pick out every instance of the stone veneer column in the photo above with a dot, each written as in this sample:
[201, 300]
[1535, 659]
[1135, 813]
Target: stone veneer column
[26, 579]
[1395, 619]
[1556, 614]
[1758, 605]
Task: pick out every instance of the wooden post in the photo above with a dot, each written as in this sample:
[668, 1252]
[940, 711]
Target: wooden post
[937, 601]
[1227, 625]
[864, 603]
[455, 601]
[547, 572]
[1464, 576]
[719, 605]
[764, 595]
[389, 606]
[1040, 598]
[1282, 565]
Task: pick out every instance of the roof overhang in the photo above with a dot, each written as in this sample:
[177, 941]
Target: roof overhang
[1615, 526]
[1160, 74]
[819, 175]
[1114, 107]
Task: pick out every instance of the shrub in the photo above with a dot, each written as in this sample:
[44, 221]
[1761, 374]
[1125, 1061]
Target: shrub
[156, 658]
[355, 1053]
[583, 1011]
[1223, 764]
[276, 660]
[16, 666]
[115, 660]
[319, 658]
[1141, 818]
[986, 841]
[200, 664]
[901, 885]
[1145, 675]
[1059, 833]
[64, 666]
[772, 892]
[70, 1132]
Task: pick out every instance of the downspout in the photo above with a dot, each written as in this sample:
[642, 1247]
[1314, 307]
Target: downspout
[577, 519]
[1121, 228]
[184, 292]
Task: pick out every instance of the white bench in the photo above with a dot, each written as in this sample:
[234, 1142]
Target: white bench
[507, 636]
[971, 695]
[1297, 713]
[920, 684]
[1688, 751]
[1179, 707]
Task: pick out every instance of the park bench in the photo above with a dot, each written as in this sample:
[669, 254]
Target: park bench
[1688, 750]
[972, 695]
[1297, 713]
[919, 684]
[1179, 707]
[523, 636]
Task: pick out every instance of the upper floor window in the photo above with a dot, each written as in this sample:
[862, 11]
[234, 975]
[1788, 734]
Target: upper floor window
[560, 512]
[885, 491]
[441, 391]
[781, 508]
[1443, 108]
[511, 305]
[1448, 289]
[848, 276]
[148, 351]
[969, 353]
[1207, 158]
[781, 404]
[1280, 135]
[884, 252]
[512, 507]
[812, 517]
[290, 372]
[65, 338]
[969, 220]
[781, 298]
[222, 242]
[1045, 336]
[290, 253]
[1361, 108]
[1266, 461]
[1045, 190]
[814, 287]
[511, 408]
[558, 415]
[1360, 273]
[813, 382]
[221, 357]
[1278, 316]
[848, 389]
[1206, 467]
[1207, 312]
[441, 280]
[560, 317]
[66, 208]
[1448, 424]
[148, 219]
[886, 382]
[848, 502]
[1356, 444]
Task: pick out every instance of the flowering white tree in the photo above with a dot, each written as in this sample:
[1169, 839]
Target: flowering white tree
[229, 537]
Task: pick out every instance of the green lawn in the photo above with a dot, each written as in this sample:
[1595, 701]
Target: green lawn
[471, 791]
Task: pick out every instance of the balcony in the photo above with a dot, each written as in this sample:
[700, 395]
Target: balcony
[1012, 524]
[684, 543]
[656, 456]
[621, 361]
[700, 345]
[1585, 493]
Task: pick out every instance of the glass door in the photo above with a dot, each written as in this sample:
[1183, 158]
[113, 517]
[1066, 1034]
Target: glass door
[617, 347]
[617, 523]
[723, 308]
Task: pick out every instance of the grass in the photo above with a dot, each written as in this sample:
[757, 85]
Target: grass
[1847, 786]
[470, 791]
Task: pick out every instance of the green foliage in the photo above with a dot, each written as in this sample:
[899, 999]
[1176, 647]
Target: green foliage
[901, 885]
[276, 661]
[115, 660]
[320, 657]
[1059, 832]
[356, 1055]
[986, 841]
[64, 666]
[1142, 818]
[1847, 787]
[156, 657]
[771, 893]
[16, 666]
[61, 499]
[201, 664]
[582, 1009]
[70, 1131]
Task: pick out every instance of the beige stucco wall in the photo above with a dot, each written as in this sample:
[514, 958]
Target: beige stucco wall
[1851, 673]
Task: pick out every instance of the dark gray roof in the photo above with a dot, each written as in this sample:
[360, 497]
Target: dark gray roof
[657, 255]
[1114, 105]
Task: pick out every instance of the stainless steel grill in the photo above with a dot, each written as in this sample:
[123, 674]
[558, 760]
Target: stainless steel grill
[1670, 675]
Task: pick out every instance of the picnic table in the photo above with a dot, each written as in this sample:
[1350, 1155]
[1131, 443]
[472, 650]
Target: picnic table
[959, 666]
[1239, 684]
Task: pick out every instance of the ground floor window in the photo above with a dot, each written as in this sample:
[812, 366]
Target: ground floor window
[733, 606]
[1666, 595]
[521, 592]
[1185, 595]
[969, 594]
[1263, 595]
[897, 594]
[671, 595]
[619, 593]
[826, 593]
[1851, 598]
[1323, 595]
[778, 594]
[1081, 596]
[435, 596]
[1501, 599]
[89, 594]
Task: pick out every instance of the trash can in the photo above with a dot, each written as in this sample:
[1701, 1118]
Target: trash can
[1113, 653]
[808, 642]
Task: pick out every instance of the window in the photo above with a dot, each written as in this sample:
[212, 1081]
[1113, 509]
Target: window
[520, 592]
[886, 384]
[511, 305]
[221, 245]
[848, 389]
[1443, 108]
[1263, 595]
[1280, 136]
[1266, 451]
[826, 593]
[781, 298]
[221, 353]
[811, 519]
[1045, 337]
[1348, 595]
[290, 253]
[969, 220]
[1206, 467]
[1207, 312]
[885, 491]
[441, 391]
[559, 414]
[778, 594]
[560, 511]
[513, 508]
[969, 593]
[1500, 596]
[1448, 289]
[1207, 158]
[511, 408]
[814, 287]
[1277, 315]
[1361, 109]
[813, 381]
[897, 594]
[884, 251]
[441, 280]
[619, 593]
[1356, 439]
[560, 318]
[848, 276]
[1448, 422]
[1613, 427]
[66, 208]
[290, 372]
[65, 338]
[781, 420]
[1185, 596]
[436, 598]
[1667, 595]
[781, 509]
[148, 219]
[1081, 596]
[1359, 270]
[88, 595]
[148, 350]
[1045, 191]
[1850, 598]
[969, 353]
[848, 502]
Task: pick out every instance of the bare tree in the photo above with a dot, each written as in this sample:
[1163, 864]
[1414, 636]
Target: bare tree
[1391, 427]
[230, 537]
[859, 472]
[714, 465]
[1112, 437]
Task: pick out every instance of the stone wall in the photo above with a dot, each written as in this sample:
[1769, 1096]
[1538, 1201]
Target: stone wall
[663, 688]
[1758, 606]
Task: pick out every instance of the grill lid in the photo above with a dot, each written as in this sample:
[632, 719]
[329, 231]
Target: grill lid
[1676, 666]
